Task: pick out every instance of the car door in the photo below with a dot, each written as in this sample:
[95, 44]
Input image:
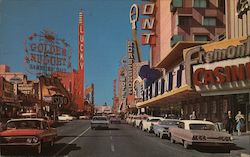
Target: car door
[179, 132]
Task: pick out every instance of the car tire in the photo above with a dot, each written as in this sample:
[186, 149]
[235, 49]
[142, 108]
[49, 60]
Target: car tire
[172, 140]
[161, 136]
[185, 145]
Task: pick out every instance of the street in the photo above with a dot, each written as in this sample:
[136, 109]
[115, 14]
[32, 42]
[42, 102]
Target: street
[77, 139]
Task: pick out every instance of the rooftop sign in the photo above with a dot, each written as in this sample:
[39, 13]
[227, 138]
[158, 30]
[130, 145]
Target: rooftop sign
[45, 53]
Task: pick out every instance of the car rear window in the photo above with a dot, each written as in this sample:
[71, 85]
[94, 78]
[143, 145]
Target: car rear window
[99, 118]
[165, 122]
[202, 127]
[154, 120]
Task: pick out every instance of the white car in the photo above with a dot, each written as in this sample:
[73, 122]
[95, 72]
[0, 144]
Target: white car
[161, 129]
[198, 132]
[65, 117]
[99, 122]
[84, 117]
[147, 124]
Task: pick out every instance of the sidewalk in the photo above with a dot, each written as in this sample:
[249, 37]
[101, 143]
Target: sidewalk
[242, 144]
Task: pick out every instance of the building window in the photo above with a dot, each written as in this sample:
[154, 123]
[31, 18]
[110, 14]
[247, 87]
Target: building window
[201, 38]
[183, 20]
[200, 3]
[209, 21]
[175, 4]
[175, 39]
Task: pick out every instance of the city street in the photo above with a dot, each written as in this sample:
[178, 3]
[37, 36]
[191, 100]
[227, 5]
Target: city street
[77, 139]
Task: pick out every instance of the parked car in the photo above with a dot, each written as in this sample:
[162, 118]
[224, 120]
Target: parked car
[28, 132]
[115, 119]
[139, 119]
[161, 128]
[147, 124]
[65, 117]
[99, 122]
[130, 120]
[84, 117]
[197, 132]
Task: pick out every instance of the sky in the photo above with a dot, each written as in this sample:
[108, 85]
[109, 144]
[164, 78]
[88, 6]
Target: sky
[107, 30]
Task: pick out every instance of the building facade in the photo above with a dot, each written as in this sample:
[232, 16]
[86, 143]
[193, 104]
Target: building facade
[208, 78]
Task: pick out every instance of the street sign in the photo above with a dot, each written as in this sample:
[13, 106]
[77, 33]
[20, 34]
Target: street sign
[59, 100]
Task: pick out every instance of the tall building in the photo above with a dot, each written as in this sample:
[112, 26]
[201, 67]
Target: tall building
[179, 25]
[185, 20]
[74, 81]
[237, 18]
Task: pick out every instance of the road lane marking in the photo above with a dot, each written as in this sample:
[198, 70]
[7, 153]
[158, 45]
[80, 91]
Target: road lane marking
[60, 151]
[111, 137]
[109, 131]
[112, 147]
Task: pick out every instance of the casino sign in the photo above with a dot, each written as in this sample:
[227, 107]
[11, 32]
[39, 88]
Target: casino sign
[219, 68]
[45, 53]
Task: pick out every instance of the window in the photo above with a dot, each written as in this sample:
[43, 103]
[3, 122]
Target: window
[201, 38]
[183, 20]
[209, 21]
[200, 3]
[175, 39]
[181, 125]
[202, 127]
[45, 125]
[175, 4]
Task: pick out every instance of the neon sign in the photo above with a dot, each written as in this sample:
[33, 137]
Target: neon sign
[45, 53]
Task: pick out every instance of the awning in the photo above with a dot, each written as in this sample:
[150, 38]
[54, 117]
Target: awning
[174, 96]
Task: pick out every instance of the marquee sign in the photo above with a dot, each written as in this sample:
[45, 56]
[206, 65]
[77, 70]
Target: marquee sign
[210, 69]
[45, 53]
[147, 22]
[131, 60]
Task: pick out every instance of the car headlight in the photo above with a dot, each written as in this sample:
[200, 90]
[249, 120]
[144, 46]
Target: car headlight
[35, 139]
[32, 140]
[29, 140]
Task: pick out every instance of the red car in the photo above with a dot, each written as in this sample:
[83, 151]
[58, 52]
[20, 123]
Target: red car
[28, 132]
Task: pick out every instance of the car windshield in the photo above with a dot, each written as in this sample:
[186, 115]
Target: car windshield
[27, 124]
[99, 118]
[154, 120]
[169, 122]
[202, 127]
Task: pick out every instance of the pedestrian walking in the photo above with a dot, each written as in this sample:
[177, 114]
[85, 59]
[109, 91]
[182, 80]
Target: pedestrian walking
[240, 122]
[192, 116]
[229, 123]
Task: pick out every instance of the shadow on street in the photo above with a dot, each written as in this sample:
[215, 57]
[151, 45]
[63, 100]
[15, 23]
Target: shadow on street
[47, 151]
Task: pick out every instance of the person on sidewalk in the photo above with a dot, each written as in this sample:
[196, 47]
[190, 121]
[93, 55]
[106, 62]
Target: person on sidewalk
[229, 123]
[192, 116]
[239, 120]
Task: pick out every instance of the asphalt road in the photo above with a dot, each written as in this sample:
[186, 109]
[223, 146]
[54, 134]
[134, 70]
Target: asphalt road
[76, 139]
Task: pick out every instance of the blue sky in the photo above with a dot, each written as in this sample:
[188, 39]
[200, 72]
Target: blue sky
[107, 30]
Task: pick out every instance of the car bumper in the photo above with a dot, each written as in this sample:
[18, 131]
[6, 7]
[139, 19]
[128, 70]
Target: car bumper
[19, 144]
[102, 125]
[212, 144]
